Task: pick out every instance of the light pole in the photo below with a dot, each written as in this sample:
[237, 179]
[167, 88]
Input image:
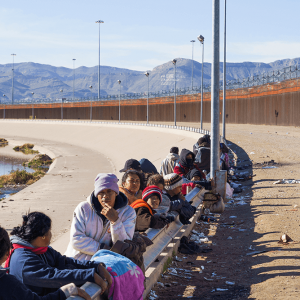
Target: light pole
[201, 40]
[215, 86]
[192, 41]
[32, 106]
[119, 81]
[91, 104]
[62, 106]
[12, 83]
[74, 78]
[4, 107]
[99, 22]
[224, 75]
[174, 63]
[147, 75]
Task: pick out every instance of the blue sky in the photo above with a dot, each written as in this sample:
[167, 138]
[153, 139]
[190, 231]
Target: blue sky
[140, 35]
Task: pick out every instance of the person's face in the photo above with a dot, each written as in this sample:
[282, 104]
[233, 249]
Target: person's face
[160, 186]
[42, 241]
[153, 201]
[196, 178]
[132, 183]
[177, 190]
[107, 196]
[190, 156]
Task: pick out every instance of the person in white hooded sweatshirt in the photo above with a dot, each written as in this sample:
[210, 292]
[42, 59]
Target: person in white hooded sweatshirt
[168, 164]
[101, 220]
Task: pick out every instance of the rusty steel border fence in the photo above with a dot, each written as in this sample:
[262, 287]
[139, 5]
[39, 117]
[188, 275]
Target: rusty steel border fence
[256, 80]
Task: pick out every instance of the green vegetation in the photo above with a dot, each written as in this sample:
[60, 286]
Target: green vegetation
[167, 264]
[26, 149]
[3, 142]
[21, 177]
[40, 161]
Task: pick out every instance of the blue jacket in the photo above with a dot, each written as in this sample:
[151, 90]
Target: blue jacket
[45, 273]
[12, 288]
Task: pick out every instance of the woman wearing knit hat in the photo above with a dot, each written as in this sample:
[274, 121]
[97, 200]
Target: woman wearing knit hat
[101, 220]
[173, 187]
[145, 210]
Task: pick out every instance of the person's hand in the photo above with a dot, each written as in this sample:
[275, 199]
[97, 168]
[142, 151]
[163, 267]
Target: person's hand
[180, 196]
[83, 294]
[101, 282]
[72, 290]
[170, 218]
[110, 213]
[102, 271]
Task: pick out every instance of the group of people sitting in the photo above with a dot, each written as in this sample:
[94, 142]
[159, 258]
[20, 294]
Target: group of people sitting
[106, 245]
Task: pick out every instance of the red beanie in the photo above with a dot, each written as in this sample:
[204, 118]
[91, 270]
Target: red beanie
[151, 190]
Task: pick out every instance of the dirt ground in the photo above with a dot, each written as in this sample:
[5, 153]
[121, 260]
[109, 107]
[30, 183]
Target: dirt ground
[227, 272]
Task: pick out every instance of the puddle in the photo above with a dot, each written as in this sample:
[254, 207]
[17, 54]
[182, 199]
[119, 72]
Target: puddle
[8, 165]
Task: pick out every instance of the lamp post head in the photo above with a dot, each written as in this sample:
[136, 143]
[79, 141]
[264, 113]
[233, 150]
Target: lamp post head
[147, 74]
[192, 41]
[201, 38]
[99, 21]
[74, 58]
[90, 86]
[174, 61]
[61, 90]
[119, 81]
[13, 54]
[4, 95]
[32, 93]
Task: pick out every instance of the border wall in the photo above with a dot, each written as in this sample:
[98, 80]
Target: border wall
[271, 104]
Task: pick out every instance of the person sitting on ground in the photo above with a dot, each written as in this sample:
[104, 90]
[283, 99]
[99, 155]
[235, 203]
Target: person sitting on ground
[168, 164]
[12, 288]
[202, 153]
[224, 158]
[131, 164]
[101, 220]
[145, 210]
[148, 170]
[173, 187]
[186, 163]
[132, 181]
[42, 269]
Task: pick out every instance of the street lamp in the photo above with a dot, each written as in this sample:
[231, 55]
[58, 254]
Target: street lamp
[12, 83]
[201, 40]
[4, 107]
[224, 75]
[32, 106]
[91, 107]
[74, 78]
[147, 75]
[62, 103]
[192, 41]
[174, 63]
[119, 81]
[99, 22]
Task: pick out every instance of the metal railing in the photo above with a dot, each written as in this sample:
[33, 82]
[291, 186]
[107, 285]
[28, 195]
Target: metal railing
[286, 73]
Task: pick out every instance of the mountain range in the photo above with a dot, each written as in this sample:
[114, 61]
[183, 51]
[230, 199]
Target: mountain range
[46, 81]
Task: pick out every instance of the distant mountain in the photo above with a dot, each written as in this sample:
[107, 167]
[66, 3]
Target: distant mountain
[46, 81]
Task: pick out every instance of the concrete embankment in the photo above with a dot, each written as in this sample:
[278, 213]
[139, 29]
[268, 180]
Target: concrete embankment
[81, 150]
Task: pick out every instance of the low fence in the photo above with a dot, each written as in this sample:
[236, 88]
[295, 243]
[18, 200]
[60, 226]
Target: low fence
[165, 243]
[275, 103]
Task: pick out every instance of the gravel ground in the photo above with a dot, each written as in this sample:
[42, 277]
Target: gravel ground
[270, 210]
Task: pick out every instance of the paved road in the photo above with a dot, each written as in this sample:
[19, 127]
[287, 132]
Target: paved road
[81, 150]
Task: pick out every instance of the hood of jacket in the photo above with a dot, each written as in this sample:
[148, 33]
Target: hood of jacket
[147, 166]
[17, 240]
[182, 159]
[121, 201]
[173, 156]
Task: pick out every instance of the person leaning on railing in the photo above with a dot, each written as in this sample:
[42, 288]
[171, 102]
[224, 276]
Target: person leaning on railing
[42, 269]
[12, 288]
[101, 220]
[145, 210]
